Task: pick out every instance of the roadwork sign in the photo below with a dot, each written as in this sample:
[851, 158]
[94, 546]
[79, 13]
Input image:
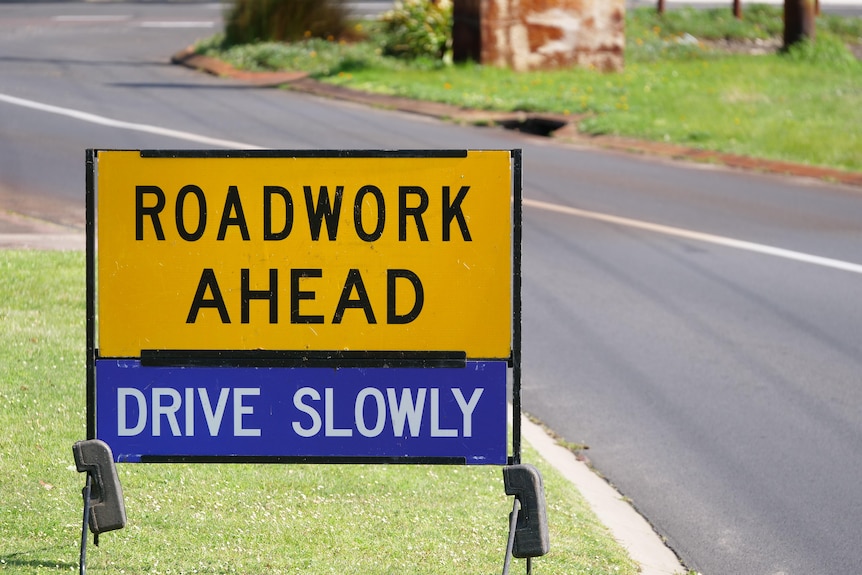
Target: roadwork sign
[318, 253]
[302, 304]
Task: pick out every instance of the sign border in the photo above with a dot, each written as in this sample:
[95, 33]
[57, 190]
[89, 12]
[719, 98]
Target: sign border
[291, 358]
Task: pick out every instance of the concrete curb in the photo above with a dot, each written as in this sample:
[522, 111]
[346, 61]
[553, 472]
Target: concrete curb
[29, 233]
[558, 126]
[627, 526]
[58, 242]
[190, 59]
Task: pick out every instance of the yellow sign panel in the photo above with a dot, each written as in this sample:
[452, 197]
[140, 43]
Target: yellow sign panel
[327, 251]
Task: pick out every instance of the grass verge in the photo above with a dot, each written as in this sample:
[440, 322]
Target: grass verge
[250, 519]
[680, 84]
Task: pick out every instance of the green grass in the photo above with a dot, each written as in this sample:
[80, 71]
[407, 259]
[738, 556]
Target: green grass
[805, 106]
[758, 21]
[249, 519]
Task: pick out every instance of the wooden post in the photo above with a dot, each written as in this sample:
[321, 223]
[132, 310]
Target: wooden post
[737, 9]
[467, 31]
[660, 8]
[799, 21]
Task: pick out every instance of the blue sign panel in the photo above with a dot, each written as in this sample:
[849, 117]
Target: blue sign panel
[167, 413]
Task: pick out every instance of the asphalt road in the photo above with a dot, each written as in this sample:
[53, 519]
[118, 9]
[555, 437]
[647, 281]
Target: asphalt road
[676, 318]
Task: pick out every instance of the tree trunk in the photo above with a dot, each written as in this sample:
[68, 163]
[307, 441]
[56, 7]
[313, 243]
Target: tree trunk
[799, 21]
[737, 9]
[660, 6]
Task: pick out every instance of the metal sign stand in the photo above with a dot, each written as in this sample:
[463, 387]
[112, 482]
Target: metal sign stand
[82, 563]
[103, 499]
[104, 508]
[528, 522]
[513, 522]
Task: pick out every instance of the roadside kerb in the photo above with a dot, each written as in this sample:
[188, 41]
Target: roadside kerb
[22, 232]
[627, 526]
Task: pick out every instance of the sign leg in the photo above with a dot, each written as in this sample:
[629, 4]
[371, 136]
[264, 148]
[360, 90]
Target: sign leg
[513, 526]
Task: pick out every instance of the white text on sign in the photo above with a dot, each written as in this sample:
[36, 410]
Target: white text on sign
[167, 410]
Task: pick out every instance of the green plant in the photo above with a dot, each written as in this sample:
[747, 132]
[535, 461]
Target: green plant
[758, 21]
[848, 29]
[285, 20]
[826, 50]
[418, 28]
[318, 57]
[681, 34]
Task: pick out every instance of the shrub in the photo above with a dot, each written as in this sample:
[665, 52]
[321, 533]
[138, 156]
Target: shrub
[248, 21]
[418, 29]
[828, 50]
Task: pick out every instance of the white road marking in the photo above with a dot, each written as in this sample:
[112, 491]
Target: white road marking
[92, 18]
[698, 236]
[597, 216]
[177, 24]
[146, 128]
[97, 18]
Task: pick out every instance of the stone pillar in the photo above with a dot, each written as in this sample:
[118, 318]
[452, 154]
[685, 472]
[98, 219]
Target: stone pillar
[540, 34]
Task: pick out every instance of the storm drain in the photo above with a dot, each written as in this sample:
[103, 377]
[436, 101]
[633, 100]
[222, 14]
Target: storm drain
[533, 125]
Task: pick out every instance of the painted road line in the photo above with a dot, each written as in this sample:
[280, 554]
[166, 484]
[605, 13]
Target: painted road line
[206, 24]
[119, 124]
[596, 216]
[698, 236]
[92, 18]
